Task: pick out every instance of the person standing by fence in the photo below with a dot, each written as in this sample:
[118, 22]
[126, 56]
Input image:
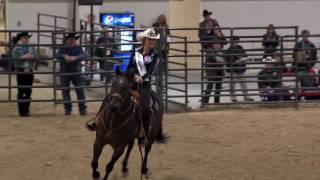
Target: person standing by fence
[206, 28]
[309, 49]
[162, 28]
[103, 51]
[236, 58]
[270, 41]
[214, 70]
[23, 58]
[71, 57]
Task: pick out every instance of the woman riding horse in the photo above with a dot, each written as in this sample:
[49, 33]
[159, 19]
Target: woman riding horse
[143, 63]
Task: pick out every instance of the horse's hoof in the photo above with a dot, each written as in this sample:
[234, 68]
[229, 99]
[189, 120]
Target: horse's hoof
[125, 172]
[144, 171]
[96, 175]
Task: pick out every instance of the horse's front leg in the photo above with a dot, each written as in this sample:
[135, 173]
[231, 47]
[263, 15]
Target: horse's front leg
[125, 160]
[118, 151]
[97, 149]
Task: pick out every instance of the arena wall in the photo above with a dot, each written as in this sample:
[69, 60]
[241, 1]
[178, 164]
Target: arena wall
[232, 13]
[22, 14]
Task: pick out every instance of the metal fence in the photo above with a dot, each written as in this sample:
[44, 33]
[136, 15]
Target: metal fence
[291, 89]
[181, 81]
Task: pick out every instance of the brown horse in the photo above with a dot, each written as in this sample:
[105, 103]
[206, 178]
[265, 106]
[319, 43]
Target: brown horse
[119, 126]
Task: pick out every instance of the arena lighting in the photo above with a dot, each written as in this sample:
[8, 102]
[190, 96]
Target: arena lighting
[90, 2]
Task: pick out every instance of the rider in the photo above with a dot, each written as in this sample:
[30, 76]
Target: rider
[143, 63]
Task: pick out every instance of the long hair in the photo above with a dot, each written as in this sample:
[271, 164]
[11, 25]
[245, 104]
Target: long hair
[158, 21]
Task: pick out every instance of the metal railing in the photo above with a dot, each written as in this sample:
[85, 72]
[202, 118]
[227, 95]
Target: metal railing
[170, 73]
[181, 83]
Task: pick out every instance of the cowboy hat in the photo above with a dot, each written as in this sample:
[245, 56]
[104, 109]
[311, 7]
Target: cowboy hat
[148, 33]
[268, 59]
[206, 13]
[23, 34]
[71, 35]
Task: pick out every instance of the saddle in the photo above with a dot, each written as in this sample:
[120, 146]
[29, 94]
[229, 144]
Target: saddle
[154, 104]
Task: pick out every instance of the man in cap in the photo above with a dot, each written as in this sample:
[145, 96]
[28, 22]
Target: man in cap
[269, 81]
[23, 58]
[71, 57]
[206, 27]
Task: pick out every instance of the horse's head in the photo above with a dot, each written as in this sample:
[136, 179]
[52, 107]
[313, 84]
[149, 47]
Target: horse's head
[119, 91]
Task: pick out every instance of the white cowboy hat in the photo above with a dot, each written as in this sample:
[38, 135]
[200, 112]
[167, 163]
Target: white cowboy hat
[148, 33]
[268, 59]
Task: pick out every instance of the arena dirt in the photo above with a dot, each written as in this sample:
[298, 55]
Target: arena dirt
[256, 144]
[260, 144]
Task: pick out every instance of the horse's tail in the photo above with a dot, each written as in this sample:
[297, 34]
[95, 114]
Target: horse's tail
[161, 138]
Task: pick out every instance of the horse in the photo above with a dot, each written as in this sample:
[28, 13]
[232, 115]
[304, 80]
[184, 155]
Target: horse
[119, 126]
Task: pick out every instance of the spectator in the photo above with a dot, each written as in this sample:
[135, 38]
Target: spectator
[7, 66]
[216, 32]
[236, 58]
[162, 28]
[23, 56]
[279, 64]
[71, 57]
[215, 75]
[270, 41]
[206, 28]
[104, 50]
[270, 83]
[92, 31]
[300, 63]
[308, 48]
[304, 72]
[91, 20]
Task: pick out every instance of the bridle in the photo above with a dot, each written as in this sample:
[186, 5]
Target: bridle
[109, 128]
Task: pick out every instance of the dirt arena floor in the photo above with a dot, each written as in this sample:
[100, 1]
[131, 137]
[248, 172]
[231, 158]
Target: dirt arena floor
[253, 144]
[247, 144]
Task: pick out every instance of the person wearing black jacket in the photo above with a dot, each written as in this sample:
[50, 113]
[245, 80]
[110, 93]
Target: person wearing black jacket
[236, 58]
[103, 51]
[206, 28]
[214, 70]
[270, 41]
[143, 63]
[309, 49]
